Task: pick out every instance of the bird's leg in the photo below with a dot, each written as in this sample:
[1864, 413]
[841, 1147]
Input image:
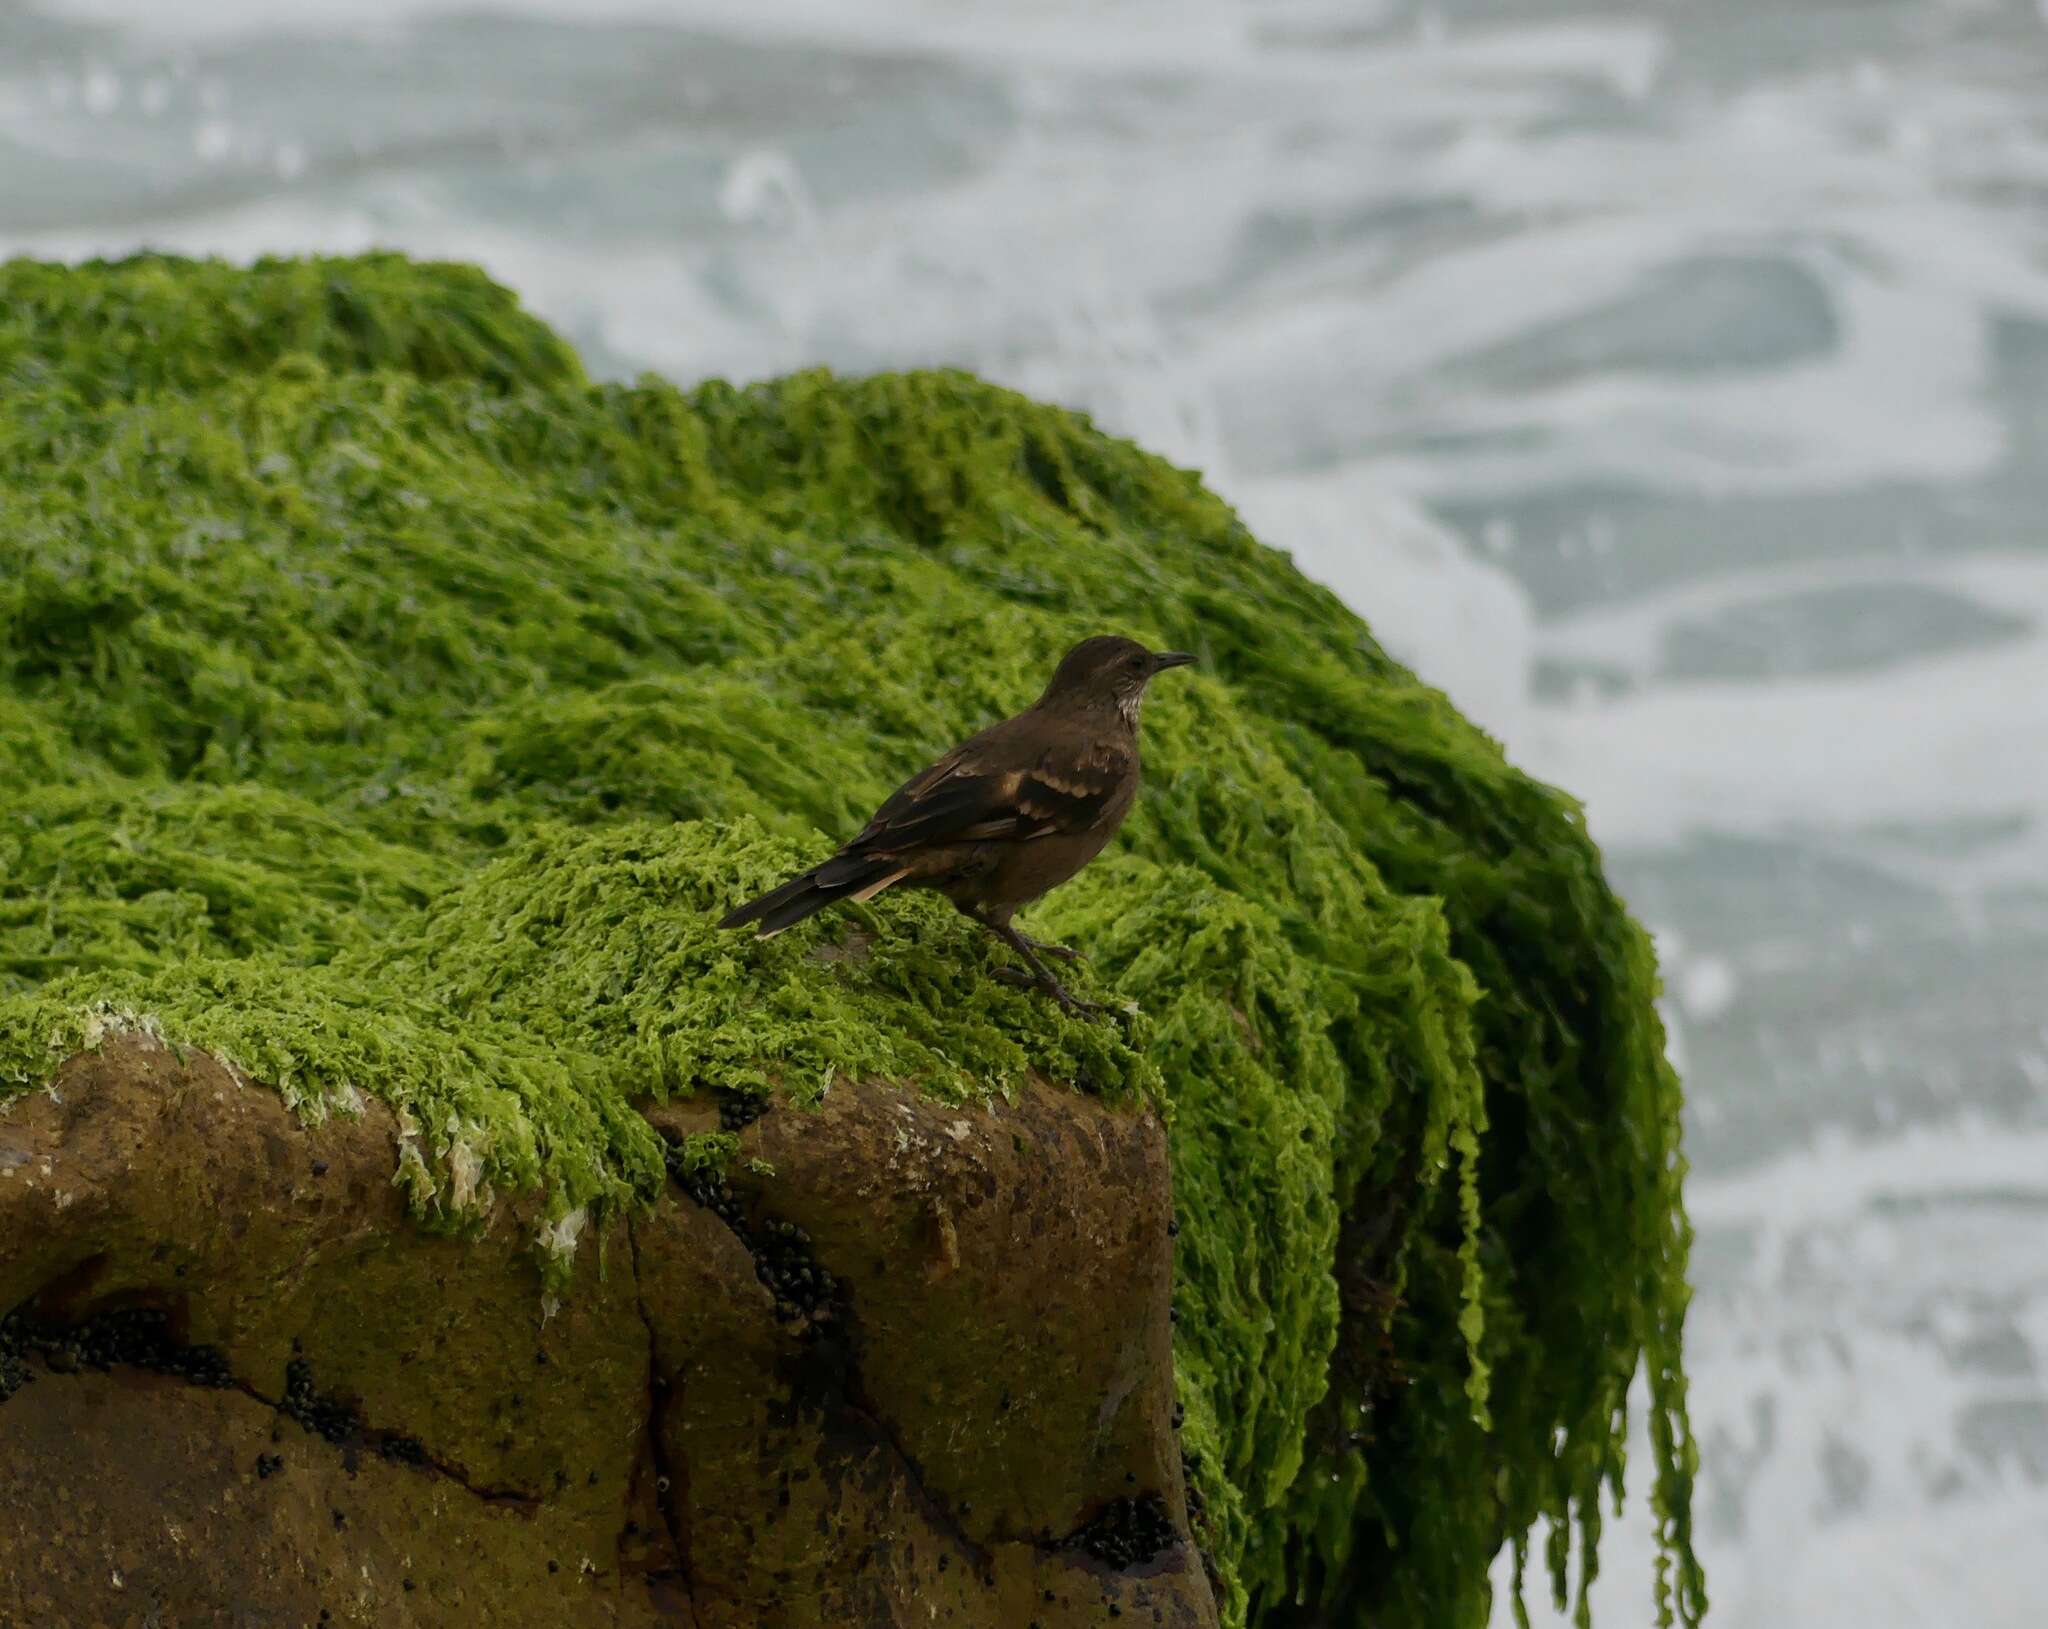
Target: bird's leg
[1038, 975]
[1066, 953]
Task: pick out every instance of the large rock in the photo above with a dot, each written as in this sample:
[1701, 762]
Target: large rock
[919, 1371]
[389, 712]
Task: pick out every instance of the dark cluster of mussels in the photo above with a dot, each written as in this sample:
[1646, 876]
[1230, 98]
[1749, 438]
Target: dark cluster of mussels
[707, 1188]
[139, 1337]
[783, 1260]
[1127, 1532]
[333, 1420]
[737, 1110]
[326, 1417]
[14, 1374]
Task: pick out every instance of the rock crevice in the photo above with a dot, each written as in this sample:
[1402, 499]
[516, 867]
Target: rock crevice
[671, 1488]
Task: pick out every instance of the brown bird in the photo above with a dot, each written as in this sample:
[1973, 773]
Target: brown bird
[1004, 817]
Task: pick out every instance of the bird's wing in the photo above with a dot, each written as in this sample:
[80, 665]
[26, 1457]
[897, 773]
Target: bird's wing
[972, 795]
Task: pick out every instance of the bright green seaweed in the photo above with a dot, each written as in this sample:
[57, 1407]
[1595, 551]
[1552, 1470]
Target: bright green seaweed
[389, 711]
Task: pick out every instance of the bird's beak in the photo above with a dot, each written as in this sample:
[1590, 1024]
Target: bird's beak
[1162, 660]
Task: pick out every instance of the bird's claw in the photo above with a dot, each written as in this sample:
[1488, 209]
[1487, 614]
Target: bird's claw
[1074, 1004]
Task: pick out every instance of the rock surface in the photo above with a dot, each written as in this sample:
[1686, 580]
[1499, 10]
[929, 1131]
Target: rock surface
[909, 1363]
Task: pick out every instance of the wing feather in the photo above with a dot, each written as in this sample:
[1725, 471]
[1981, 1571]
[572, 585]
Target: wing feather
[966, 797]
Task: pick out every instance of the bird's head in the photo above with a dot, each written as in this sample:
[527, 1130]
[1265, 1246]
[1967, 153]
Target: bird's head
[1109, 671]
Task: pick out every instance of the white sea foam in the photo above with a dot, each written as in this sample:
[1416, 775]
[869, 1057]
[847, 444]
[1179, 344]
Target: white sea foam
[1934, 740]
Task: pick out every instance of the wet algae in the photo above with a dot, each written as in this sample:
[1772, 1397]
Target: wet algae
[388, 710]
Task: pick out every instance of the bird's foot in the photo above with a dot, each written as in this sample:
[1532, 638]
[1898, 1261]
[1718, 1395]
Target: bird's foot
[1051, 986]
[1065, 953]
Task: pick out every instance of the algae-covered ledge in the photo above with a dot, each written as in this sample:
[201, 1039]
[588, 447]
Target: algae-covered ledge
[388, 711]
[574, 974]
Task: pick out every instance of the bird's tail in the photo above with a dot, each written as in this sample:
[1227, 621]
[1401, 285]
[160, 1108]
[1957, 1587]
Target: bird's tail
[844, 876]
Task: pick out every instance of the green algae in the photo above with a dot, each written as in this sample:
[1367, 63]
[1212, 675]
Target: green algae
[389, 711]
[156, 323]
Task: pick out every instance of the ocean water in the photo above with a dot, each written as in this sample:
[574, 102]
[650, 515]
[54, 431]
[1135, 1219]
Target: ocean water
[1666, 380]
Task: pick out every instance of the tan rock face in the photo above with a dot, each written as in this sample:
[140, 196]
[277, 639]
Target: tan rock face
[918, 1374]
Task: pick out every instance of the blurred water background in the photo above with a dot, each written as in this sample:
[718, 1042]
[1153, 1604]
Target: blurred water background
[1667, 381]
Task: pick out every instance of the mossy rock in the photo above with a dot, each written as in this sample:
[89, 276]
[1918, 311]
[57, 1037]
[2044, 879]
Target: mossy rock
[388, 711]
